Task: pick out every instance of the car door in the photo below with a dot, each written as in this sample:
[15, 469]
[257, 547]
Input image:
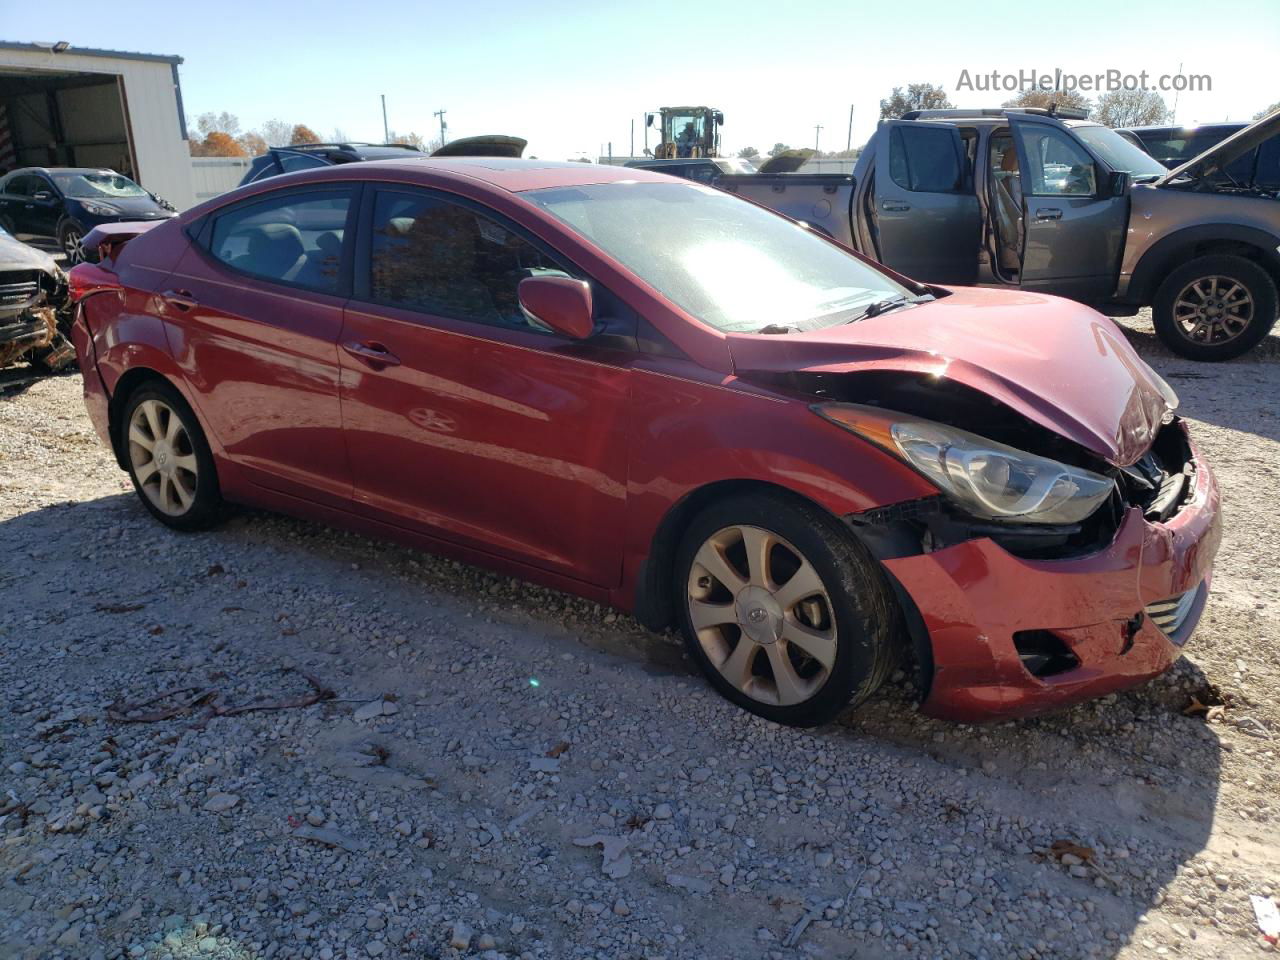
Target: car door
[44, 209]
[20, 208]
[463, 420]
[926, 215]
[255, 306]
[1073, 226]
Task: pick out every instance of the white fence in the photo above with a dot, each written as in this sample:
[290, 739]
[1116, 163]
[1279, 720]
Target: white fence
[214, 176]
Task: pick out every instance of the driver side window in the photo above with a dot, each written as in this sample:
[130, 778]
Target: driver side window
[449, 260]
[1059, 166]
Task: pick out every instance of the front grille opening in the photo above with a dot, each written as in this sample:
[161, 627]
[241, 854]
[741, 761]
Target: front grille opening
[1043, 653]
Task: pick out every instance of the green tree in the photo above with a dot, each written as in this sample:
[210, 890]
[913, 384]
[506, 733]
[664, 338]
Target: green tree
[748, 153]
[918, 96]
[1131, 108]
[1268, 111]
[779, 148]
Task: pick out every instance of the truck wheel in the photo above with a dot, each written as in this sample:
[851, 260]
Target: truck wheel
[1215, 307]
[169, 460]
[785, 612]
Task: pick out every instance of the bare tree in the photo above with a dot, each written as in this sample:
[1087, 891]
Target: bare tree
[223, 122]
[1131, 108]
[339, 136]
[1267, 112]
[1071, 99]
[918, 96]
[779, 148]
[277, 133]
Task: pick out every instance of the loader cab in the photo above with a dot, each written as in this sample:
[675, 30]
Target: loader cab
[687, 132]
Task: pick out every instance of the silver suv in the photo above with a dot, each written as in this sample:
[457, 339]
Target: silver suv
[1048, 201]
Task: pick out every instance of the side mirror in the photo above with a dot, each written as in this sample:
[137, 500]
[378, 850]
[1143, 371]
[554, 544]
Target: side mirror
[719, 118]
[1119, 183]
[648, 119]
[560, 303]
[42, 196]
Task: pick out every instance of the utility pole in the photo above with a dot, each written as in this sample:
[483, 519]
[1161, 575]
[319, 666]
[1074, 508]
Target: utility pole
[633, 138]
[1173, 117]
[440, 113]
[849, 143]
[386, 131]
[817, 134]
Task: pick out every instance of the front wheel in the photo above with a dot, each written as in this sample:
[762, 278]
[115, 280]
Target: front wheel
[169, 460]
[1215, 308]
[71, 240]
[787, 615]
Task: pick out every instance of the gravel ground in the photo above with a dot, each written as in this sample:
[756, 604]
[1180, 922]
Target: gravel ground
[508, 772]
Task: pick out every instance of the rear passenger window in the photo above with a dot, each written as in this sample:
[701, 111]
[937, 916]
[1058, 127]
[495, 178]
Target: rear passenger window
[294, 238]
[927, 159]
[449, 260]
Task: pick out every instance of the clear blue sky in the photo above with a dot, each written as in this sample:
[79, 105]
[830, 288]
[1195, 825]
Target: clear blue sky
[571, 76]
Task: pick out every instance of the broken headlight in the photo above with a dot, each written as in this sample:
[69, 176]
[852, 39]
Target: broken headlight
[986, 479]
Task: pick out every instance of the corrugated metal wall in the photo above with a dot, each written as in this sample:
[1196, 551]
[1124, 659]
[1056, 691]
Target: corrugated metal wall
[214, 176]
[159, 144]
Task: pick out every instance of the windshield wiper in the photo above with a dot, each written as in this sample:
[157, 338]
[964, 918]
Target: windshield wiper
[890, 303]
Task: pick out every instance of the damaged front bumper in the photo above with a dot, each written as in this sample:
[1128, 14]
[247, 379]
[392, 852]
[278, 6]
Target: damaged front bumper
[1009, 636]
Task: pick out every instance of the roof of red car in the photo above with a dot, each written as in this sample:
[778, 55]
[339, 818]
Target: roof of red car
[519, 175]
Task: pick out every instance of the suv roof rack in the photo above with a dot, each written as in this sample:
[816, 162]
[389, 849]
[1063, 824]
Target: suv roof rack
[1053, 110]
[345, 145]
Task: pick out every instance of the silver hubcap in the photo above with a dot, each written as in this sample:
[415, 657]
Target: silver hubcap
[762, 615]
[73, 246]
[1213, 310]
[162, 457]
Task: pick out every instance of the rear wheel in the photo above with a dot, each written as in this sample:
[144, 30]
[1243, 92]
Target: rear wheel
[787, 615]
[169, 459]
[1215, 307]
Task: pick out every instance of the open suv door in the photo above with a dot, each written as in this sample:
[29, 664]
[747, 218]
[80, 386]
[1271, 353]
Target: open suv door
[1074, 210]
[926, 217]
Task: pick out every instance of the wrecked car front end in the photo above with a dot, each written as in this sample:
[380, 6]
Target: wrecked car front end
[1068, 552]
[33, 296]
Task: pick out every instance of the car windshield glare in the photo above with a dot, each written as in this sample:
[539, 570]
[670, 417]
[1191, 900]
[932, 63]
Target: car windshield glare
[726, 262]
[97, 186]
[1118, 153]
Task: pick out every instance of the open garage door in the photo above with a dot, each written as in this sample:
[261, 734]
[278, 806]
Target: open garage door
[64, 120]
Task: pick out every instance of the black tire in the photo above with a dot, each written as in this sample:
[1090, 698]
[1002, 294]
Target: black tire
[861, 607]
[205, 508]
[70, 242]
[1261, 289]
[7, 225]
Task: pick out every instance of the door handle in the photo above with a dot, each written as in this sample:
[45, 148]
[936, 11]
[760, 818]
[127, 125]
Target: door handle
[895, 205]
[371, 352]
[180, 300]
[1049, 213]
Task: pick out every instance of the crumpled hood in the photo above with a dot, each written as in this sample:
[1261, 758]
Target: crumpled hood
[1058, 363]
[16, 255]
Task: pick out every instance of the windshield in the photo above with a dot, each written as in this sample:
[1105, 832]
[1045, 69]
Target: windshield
[1118, 153]
[731, 264]
[97, 186]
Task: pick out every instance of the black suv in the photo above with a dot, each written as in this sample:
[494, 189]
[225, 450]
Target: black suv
[305, 156]
[1174, 146]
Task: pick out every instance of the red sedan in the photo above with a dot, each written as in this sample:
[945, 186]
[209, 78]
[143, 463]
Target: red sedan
[658, 396]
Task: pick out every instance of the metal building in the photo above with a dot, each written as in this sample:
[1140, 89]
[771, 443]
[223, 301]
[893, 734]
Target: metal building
[62, 105]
